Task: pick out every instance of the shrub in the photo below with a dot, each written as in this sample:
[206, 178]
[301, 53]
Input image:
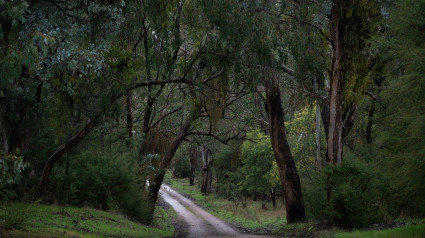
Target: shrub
[314, 192]
[107, 180]
[356, 195]
[11, 167]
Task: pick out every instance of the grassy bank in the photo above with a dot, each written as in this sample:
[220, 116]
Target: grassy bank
[35, 220]
[247, 214]
[409, 231]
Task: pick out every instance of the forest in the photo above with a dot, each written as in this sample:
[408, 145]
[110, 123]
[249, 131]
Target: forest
[310, 113]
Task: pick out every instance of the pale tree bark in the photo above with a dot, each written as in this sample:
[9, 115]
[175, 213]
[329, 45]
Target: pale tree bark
[286, 165]
[318, 139]
[335, 100]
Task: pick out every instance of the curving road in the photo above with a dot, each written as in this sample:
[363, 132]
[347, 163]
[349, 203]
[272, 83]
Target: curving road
[200, 222]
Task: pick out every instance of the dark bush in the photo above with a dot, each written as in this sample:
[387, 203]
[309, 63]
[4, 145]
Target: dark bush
[355, 195]
[358, 194]
[106, 180]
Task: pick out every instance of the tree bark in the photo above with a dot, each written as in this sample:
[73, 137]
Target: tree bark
[318, 139]
[287, 170]
[71, 143]
[207, 172]
[273, 197]
[335, 105]
[129, 103]
[193, 164]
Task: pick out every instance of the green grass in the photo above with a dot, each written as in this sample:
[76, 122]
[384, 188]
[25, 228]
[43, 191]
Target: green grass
[249, 215]
[414, 231]
[53, 221]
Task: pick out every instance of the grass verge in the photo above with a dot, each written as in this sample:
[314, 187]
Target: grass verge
[409, 231]
[35, 220]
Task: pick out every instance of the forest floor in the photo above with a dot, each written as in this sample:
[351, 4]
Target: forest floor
[35, 220]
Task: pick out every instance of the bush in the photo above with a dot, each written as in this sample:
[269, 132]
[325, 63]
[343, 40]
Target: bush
[11, 167]
[107, 180]
[314, 192]
[356, 195]
[227, 164]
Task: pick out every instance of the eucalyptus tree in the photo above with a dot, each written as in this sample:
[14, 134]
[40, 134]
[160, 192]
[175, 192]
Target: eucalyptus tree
[343, 27]
[251, 38]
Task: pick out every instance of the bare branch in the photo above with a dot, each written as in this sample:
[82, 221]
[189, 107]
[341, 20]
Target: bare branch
[309, 24]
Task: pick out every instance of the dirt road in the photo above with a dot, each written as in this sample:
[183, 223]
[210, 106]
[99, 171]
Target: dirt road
[200, 222]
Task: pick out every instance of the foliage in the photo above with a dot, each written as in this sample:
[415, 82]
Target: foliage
[398, 150]
[181, 165]
[227, 165]
[11, 167]
[257, 157]
[302, 139]
[314, 192]
[106, 179]
[356, 197]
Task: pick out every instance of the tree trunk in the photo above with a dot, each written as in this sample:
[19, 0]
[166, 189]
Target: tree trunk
[155, 185]
[129, 114]
[335, 105]
[193, 165]
[5, 141]
[71, 143]
[370, 124]
[318, 139]
[287, 170]
[273, 197]
[65, 179]
[207, 172]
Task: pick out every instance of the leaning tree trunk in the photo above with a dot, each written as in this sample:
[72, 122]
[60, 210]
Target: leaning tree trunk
[71, 143]
[155, 184]
[287, 170]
